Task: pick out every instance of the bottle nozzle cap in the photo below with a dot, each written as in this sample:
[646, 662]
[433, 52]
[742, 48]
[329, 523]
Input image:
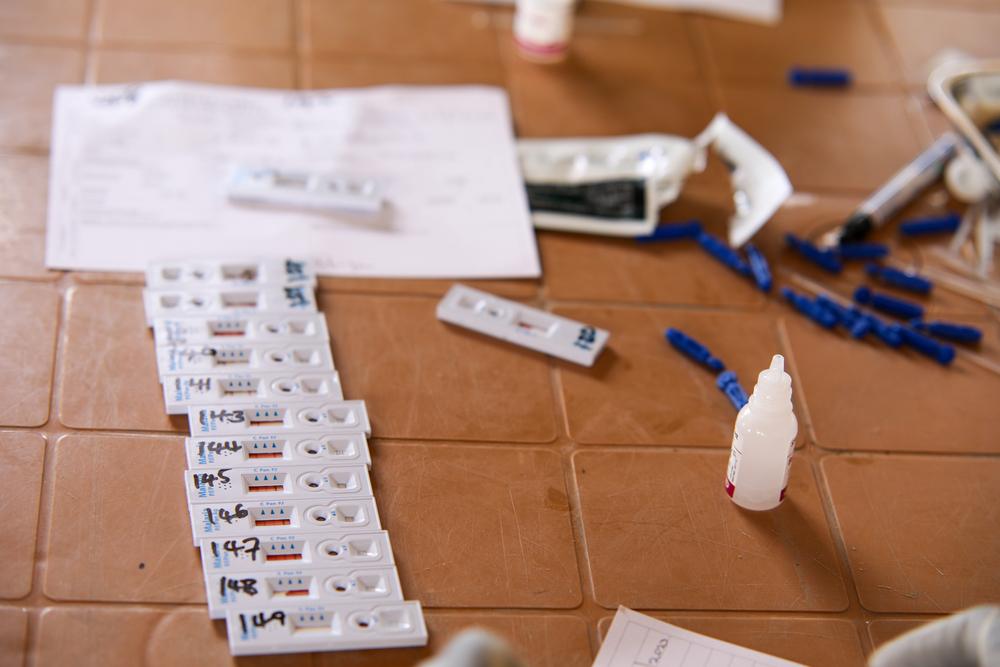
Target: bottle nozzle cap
[778, 363]
[774, 385]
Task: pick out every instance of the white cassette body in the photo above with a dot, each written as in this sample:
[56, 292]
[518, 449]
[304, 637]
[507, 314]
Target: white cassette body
[181, 392]
[278, 449]
[252, 418]
[522, 325]
[276, 517]
[306, 628]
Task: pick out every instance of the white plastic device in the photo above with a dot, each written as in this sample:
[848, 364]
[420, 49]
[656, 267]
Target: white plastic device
[286, 449]
[271, 418]
[270, 553]
[307, 328]
[190, 274]
[309, 628]
[276, 483]
[303, 190]
[243, 590]
[276, 517]
[183, 391]
[523, 325]
[229, 301]
[241, 358]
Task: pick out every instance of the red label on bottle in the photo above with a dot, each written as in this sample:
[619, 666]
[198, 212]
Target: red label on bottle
[731, 488]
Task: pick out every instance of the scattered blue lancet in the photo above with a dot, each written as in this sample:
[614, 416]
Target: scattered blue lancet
[673, 231]
[809, 308]
[759, 267]
[819, 77]
[959, 333]
[729, 384]
[851, 251]
[890, 305]
[718, 249]
[901, 279]
[942, 353]
[943, 224]
[693, 349]
[825, 259]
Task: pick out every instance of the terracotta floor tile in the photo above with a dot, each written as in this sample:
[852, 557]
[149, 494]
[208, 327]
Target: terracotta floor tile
[600, 268]
[689, 547]
[810, 34]
[539, 640]
[59, 19]
[413, 29]
[28, 76]
[862, 395]
[920, 33]
[245, 69]
[820, 642]
[107, 340]
[257, 24]
[23, 192]
[643, 392]
[13, 635]
[120, 533]
[154, 638]
[349, 72]
[511, 289]
[577, 98]
[884, 630]
[21, 456]
[513, 545]
[922, 533]
[30, 320]
[828, 140]
[425, 379]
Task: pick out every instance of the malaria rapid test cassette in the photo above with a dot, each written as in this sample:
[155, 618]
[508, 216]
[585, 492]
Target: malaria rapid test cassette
[190, 274]
[304, 190]
[276, 483]
[271, 418]
[243, 590]
[301, 329]
[522, 325]
[305, 628]
[180, 392]
[286, 449]
[275, 517]
[272, 553]
[236, 358]
[233, 301]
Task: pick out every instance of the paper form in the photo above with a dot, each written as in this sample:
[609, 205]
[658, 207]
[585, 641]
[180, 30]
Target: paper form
[139, 173]
[636, 640]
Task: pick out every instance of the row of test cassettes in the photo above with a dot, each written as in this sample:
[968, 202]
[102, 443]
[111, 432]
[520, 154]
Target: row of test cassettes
[278, 489]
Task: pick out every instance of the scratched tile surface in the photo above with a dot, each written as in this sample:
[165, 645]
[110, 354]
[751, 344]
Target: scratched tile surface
[523, 494]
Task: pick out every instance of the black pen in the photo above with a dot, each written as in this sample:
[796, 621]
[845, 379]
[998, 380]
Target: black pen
[901, 189]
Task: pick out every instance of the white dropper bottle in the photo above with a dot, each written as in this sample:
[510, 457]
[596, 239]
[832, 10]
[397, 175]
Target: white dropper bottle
[763, 442]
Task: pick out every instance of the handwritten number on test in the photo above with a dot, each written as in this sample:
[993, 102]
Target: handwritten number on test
[261, 620]
[247, 585]
[250, 545]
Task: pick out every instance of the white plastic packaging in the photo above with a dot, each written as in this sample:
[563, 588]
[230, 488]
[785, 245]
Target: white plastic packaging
[763, 442]
[616, 186]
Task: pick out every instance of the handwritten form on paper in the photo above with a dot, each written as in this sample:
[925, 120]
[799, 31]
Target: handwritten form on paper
[636, 640]
[139, 173]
